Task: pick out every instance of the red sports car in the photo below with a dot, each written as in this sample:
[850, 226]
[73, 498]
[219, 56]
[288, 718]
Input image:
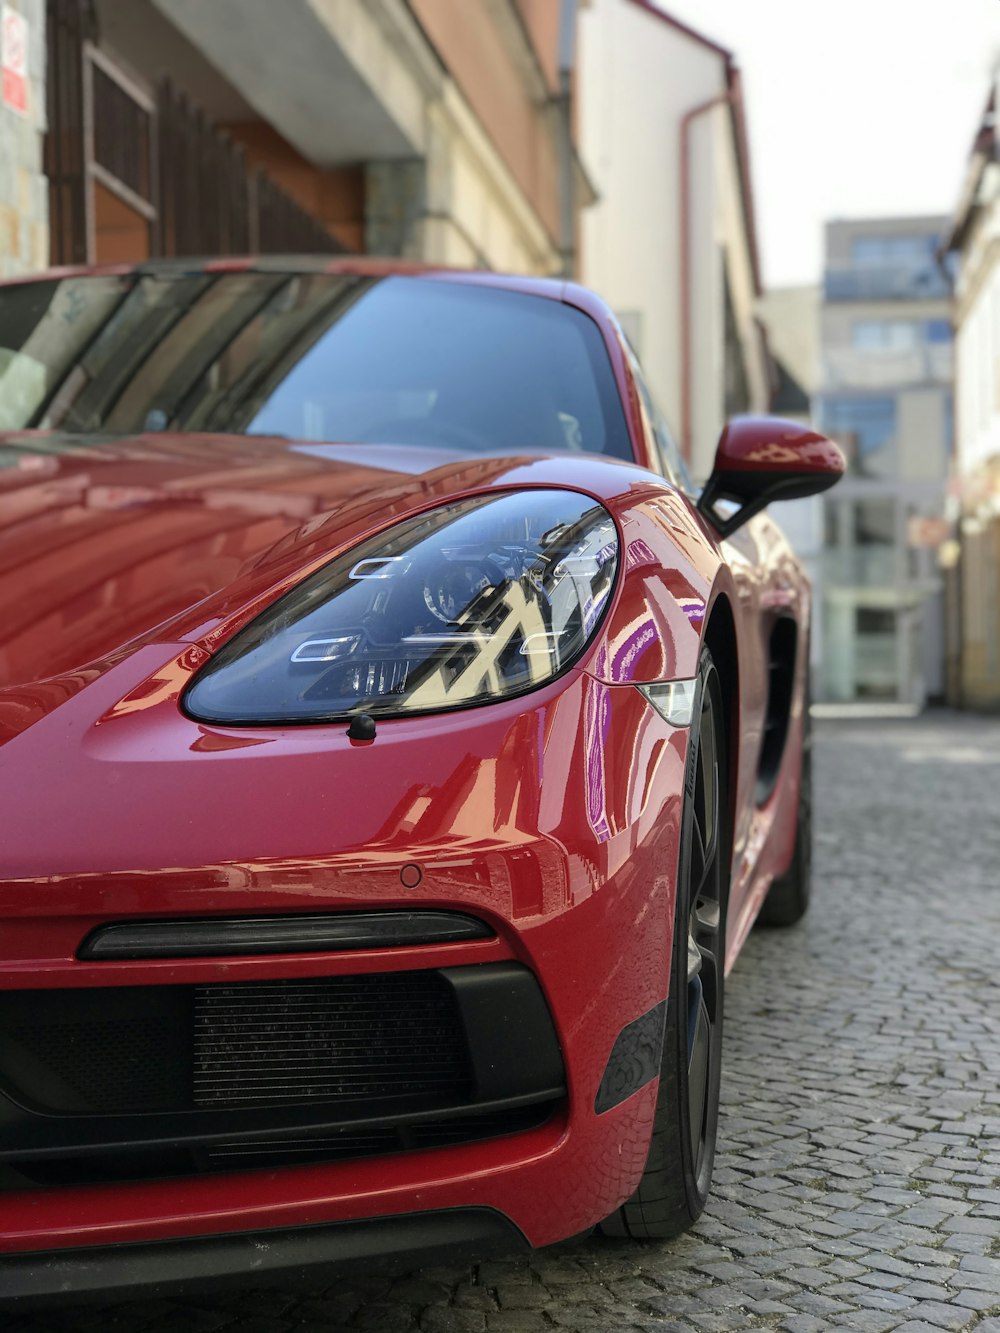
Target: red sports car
[395, 751]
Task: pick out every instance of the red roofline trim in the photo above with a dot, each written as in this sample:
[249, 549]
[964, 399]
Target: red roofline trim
[680, 27]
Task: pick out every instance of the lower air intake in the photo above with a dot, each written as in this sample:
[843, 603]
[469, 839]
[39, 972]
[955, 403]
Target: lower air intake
[371, 1038]
[388, 1040]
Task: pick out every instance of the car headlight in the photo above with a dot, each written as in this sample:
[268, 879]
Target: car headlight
[472, 602]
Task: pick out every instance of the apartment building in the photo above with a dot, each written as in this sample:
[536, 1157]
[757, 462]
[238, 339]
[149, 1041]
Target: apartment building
[790, 319]
[973, 240]
[430, 129]
[886, 397]
[24, 235]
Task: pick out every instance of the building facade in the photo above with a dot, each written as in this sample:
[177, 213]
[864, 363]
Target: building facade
[428, 129]
[671, 242]
[886, 397]
[973, 238]
[24, 236]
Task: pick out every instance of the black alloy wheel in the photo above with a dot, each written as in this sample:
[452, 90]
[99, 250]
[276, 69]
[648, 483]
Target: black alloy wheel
[675, 1185]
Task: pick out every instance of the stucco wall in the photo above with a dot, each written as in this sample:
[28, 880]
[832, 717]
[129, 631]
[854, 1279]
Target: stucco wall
[478, 56]
[978, 345]
[24, 208]
[638, 77]
[476, 214]
[977, 393]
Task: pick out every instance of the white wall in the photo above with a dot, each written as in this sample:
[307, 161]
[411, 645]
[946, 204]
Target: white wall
[345, 82]
[977, 397]
[637, 79]
[476, 212]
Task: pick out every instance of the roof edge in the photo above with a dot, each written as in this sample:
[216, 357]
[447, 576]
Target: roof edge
[734, 82]
[984, 150]
[656, 12]
[734, 87]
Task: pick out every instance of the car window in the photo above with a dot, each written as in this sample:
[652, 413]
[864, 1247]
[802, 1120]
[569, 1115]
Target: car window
[312, 356]
[669, 457]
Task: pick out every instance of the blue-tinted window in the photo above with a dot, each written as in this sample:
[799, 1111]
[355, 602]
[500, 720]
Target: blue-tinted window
[885, 334]
[938, 331]
[420, 361]
[312, 356]
[898, 334]
[865, 427]
[887, 251]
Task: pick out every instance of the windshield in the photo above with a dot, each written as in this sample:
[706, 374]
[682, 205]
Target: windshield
[311, 356]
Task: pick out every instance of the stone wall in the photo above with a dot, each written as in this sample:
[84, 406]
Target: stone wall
[24, 209]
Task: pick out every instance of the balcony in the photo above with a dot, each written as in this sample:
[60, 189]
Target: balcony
[860, 566]
[887, 368]
[923, 282]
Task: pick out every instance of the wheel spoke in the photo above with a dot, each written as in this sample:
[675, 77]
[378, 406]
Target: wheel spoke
[699, 863]
[707, 915]
[699, 1065]
[694, 960]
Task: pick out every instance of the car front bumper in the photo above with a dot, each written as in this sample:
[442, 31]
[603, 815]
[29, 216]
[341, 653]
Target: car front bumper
[258, 1259]
[553, 820]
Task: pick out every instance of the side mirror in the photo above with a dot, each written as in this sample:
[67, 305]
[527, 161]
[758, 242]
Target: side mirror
[760, 459]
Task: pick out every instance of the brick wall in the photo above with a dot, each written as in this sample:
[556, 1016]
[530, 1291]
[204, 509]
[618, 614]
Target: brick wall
[24, 232]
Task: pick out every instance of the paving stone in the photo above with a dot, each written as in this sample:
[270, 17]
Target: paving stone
[475, 1298]
[945, 1316]
[976, 1300]
[517, 1321]
[918, 1326]
[443, 1320]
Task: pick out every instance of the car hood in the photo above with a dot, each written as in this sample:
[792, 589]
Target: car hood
[110, 544]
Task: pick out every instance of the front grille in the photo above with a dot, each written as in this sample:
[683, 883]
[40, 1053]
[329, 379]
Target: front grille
[327, 1039]
[133, 1083]
[382, 1038]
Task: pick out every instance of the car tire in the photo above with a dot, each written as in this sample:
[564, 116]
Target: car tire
[787, 899]
[675, 1184]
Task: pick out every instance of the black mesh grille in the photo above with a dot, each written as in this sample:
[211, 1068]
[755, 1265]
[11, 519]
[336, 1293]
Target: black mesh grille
[328, 1039]
[115, 1050]
[116, 1065]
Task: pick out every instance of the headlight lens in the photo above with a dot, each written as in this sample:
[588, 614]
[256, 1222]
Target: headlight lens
[473, 602]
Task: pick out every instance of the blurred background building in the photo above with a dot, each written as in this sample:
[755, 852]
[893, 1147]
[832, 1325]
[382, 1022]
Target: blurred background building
[24, 234]
[439, 130]
[671, 241]
[886, 397]
[427, 129]
[790, 320]
[973, 239]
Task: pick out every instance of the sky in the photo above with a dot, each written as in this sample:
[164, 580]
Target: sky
[859, 108]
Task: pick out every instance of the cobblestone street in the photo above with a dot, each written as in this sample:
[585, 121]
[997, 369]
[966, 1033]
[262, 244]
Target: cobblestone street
[858, 1179]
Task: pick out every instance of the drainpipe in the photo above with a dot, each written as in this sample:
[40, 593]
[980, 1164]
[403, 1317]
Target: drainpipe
[564, 110]
[722, 99]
